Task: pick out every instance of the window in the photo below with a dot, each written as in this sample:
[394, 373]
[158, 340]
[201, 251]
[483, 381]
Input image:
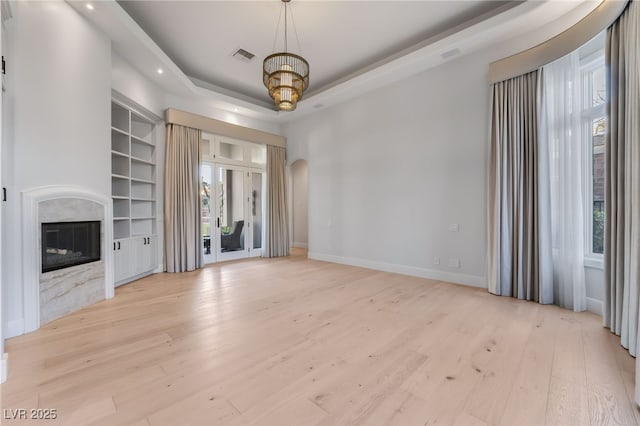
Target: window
[594, 126]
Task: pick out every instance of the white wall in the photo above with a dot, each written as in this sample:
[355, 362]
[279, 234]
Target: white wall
[391, 170]
[299, 203]
[57, 108]
[594, 280]
[128, 81]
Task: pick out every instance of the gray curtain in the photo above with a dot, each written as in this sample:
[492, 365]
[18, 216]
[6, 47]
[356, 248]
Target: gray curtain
[622, 190]
[182, 251]
[519, 244]
[277, 228]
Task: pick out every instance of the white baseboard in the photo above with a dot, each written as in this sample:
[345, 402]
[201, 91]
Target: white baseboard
[299, 245]
[159, 269]
[15, 328]
[133, 278]
[4, 365]
[595, 306]
[451, 277]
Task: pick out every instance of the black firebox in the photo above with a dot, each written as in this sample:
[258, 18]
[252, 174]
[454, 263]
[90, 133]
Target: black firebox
[66, 244]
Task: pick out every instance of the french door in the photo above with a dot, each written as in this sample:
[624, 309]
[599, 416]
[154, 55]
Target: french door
[232, 204]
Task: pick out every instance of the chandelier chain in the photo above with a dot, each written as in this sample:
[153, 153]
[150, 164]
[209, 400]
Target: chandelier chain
[285, 27]
[295, 30]
[275, 38]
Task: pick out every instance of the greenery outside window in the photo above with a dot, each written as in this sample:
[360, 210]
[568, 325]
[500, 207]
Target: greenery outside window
[594, 127]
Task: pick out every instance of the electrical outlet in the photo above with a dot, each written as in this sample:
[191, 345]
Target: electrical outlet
[436, 260]
[454, 227]
[454, 263]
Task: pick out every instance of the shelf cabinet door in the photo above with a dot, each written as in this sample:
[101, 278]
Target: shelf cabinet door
[145, 254]
[123, 264]
[153, 255]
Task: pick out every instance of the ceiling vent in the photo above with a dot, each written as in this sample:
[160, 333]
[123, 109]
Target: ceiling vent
[243, 55]
[450, 53]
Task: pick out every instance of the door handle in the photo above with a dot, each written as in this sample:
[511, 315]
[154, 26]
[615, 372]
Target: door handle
[118, 245]
[114, 246]
[218, 222]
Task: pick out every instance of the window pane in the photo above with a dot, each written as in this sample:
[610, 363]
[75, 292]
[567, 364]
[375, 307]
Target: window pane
[256, 209]
[598, 128]
[259, 154]
[231, 151]
[597, 135]
[599, 87]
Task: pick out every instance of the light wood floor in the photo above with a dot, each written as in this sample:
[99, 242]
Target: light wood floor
[293, 341]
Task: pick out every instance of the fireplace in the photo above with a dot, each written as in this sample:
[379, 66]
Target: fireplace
[66, 244]
[50, 212]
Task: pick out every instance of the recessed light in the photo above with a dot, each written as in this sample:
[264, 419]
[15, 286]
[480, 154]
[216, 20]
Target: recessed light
[160, 71]
[89, 6]
[235, 110]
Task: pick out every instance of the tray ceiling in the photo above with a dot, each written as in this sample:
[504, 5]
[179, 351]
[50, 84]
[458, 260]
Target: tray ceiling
[338, 38]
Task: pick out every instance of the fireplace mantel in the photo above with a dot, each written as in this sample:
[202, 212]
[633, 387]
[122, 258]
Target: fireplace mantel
[31, 251]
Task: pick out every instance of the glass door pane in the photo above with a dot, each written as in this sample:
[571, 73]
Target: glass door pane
[256, 200]
[231, 222]
[206, 212]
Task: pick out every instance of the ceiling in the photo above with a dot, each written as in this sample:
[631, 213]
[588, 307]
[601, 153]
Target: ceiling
[337, 38]
[352, 46]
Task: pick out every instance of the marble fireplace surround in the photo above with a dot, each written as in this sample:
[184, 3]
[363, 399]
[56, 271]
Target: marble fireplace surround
[69, 289]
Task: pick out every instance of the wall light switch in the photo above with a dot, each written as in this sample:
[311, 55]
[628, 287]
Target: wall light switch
[454, 227]
[454, 263]
[436, 260]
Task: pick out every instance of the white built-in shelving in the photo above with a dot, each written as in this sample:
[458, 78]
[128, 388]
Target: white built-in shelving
[133, 190]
